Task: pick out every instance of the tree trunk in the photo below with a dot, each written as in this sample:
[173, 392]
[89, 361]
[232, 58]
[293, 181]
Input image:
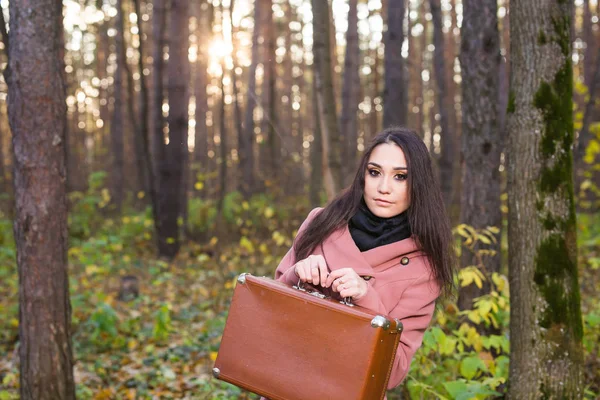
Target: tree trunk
[326, 100]
[37, 117]
[3, 177]
[223, 140]
[116, 126]
[102, 52]
[545, 324]
[480, 203]
[237, 112]
[159, 21]
[350, 92]
[395, 92]
[138, 141]
[448, 139]
[144, 130]
[171, 170]
[203, 33]
[316, 153]
[246, 145]
[590, 44]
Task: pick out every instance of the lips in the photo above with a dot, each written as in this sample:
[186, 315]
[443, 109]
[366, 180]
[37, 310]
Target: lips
[382, 202]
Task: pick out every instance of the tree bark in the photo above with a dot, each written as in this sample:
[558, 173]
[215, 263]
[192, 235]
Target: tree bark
[480, 202]
[447, 137]
[3, 178]
[590, 44]
[116, 126]
[350, 92]
[159, 21]
[201, 82]
[37, 117]
[223, 140]
[144, 130]
[316, 153]
[326, 99]
[395, 94]
[171, 171]
[545, 324]
[246, 145]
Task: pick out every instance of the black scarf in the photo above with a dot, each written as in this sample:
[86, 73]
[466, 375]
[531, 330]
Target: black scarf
[370, 231]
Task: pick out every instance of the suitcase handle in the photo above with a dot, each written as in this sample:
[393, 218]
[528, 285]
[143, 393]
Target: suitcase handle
[300, 286]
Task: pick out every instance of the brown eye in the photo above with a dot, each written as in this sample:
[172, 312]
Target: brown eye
[373, 172]
[401, 177]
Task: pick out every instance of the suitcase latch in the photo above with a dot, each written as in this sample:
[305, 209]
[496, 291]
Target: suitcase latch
[380, 322]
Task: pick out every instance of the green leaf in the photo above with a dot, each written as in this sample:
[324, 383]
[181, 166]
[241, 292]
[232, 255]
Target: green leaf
[470, 365]
[455, 388]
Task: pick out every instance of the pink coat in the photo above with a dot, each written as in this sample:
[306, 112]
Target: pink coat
[405, 290]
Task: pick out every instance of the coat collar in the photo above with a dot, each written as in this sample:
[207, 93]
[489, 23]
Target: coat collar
[340, 248]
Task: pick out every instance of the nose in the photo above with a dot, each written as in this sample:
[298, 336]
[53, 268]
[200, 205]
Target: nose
[384, 186]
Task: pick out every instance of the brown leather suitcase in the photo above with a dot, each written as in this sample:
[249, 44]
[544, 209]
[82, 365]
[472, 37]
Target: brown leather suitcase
[286, 343]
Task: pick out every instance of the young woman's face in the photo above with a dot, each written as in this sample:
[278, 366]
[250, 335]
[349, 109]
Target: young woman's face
[386, 185]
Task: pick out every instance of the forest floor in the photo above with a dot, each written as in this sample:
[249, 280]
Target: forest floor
[162, 343]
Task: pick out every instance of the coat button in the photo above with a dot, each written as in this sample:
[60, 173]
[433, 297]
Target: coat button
[404, 261]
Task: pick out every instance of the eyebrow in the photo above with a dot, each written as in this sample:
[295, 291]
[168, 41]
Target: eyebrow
[379, 166]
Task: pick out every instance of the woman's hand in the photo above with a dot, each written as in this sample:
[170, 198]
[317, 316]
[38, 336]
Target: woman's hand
[347, 282]
[312, 269]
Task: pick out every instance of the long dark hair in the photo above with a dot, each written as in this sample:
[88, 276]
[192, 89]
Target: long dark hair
[427, 216]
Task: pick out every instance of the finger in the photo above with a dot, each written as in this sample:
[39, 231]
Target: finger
[323, 270]
[339, 284]
[314, 271]
[334, 275]
[300, 271]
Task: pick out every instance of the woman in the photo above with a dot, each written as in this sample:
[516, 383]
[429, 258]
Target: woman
[385, 241]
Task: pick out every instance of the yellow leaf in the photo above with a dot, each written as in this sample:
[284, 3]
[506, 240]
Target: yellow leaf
[199, 186]
[213, 356]
[269, 212]
[493, 229]
[104, 394]
[484, 239]
[213, 241]
[245, 205]
[247, 244]
[14, 322]
[126, 259]
[91, 269]
[141, 195]
[148, 223]
[203, 291]
[170, 240]
[132, 344]
[478, 282]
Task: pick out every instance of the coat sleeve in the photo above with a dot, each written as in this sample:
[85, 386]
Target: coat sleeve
[284, 272]
[415, 310]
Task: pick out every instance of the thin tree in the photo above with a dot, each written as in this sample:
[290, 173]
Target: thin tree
[246, 149]
[237, 112]
[316, 153]
[350, 92]
[448, 138]
[172, 168]
[144, 130]
[326, 99]
[395, 93]
[480, 203]
[37, 117]
[223, 142]
[203, 34]
[545, 325]
[116, 126]
[3, 183]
